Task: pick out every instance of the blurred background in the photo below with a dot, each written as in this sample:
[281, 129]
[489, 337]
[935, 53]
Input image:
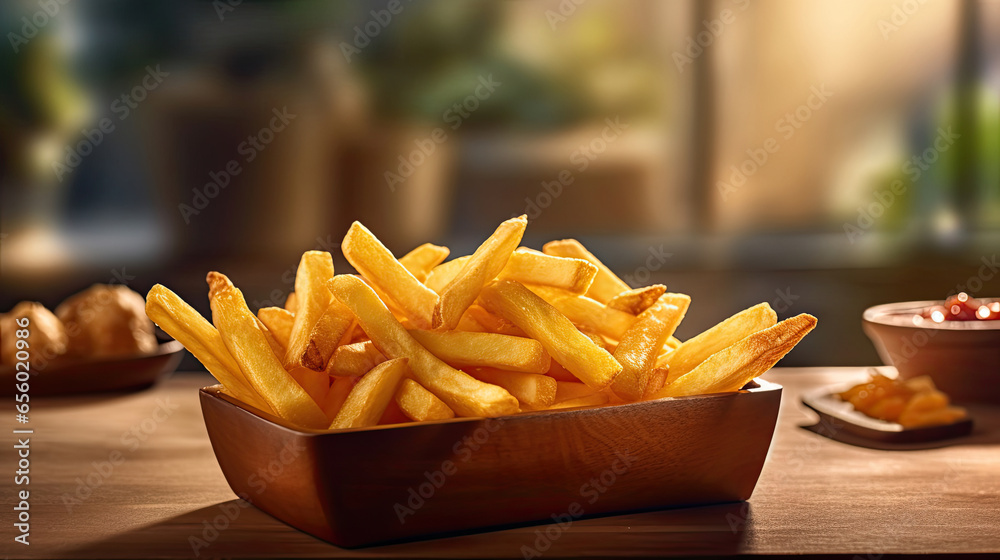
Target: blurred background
[822, 155]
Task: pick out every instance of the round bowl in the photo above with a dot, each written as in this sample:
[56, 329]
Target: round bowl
[962, 357]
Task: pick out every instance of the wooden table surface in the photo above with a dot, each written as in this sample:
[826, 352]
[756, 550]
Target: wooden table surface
[134, 476]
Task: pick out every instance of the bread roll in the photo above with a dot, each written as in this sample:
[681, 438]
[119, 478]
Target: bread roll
[105, 321]
[46, 335]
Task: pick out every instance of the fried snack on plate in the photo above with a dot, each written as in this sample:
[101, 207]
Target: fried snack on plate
[279, 322]
[422, 260]
[486, 263]
[599, 398]
[389, 278]
[474, 349]
[606, 284]
[638, 300]
[696, 350]
[312, 300]
[187, 326]
[354, 360]
[532, 267]
[419, 404]
[46, 334]
[460, 391]
[247, 343]
[337, 395]
[533, 390]
[734, 366]
[640, 347]
[369, 397]
[444, 273]
[561, 339]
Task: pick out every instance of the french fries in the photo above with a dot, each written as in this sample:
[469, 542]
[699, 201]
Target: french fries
[422, 260]
[606, 284]
[444, 273]
[354, 360]
[340, 388]
[732, 367]
[419, 404]
[692, 352]
[389, 278]
[369, 396]
[472, 349]
[591, 314]
[279, 322]
[247, 343]
[312, 301]
[595, 399]
[531, 267]
[460, 391]
[640, 346]
[638, 300]
[486, 263]
[291, 303]
[534, 391]
[563, 341]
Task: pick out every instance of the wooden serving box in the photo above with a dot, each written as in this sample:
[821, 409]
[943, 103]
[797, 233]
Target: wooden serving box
[390, 483]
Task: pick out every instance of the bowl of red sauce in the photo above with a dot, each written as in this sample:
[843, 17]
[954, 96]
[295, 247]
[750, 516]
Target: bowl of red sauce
[956, 342]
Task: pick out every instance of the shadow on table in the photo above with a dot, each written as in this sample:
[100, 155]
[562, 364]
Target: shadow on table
[237, 529]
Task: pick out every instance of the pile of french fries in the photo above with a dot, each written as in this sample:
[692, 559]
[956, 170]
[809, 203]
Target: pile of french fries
[505, 330]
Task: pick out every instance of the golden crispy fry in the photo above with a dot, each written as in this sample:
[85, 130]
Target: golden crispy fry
[638, 300]
[315, 270]
[369, 397]
[187, 326]
[640, 347]
[734, 366]
[574, 350]
[463, 393]
[291, 303]
[389, 278]
[419, 404]
[566, 390]
[422, 260]
[589, 314]
[599, 398]
[692, 352]
[474, 349]
[486, 263]
[672, 343]
[559, 373]
[493, 323]
[354, 360]
[606, 285]
[335, 397]
[531, 267]
[444, 273]
[657, 379]
[248, 345]
[279, 322]
[332, 329]
[534, 391]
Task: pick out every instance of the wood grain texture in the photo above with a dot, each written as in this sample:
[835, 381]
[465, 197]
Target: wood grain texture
[815, 495]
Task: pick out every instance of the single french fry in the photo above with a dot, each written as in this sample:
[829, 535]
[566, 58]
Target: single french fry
[187, 326]
[734, 366]
[333, 329]
[460, 391]
[248, 346]
[606, 284]
[422, 260]
[564, 342]
[599, 398]
[640, 347]
[444, 273]
[419, 404]
[389, 278]
[493, 323]
[638, 300]
[531, 389]
[291, 303]
[531, 267]
[696, 350]
[335, 397]
[312, 301]
[278, 322]
[657, 379]
[370, 395]
[486, 263]
[590, 314]
[672, 343]
[473, 349]
[354, 360]
[566, 390]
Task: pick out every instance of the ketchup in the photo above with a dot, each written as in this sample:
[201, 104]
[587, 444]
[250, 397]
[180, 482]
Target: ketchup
[962, 307]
